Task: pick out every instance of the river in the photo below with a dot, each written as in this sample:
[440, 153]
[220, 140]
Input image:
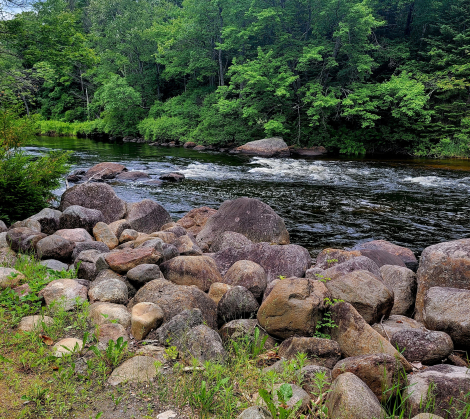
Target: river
[327, 202]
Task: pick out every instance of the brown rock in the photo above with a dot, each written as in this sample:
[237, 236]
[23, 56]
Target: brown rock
[103, 233]
[102, 313]
[133, 175]
[117, 227]
[110, 331]
[124, 260]
[64, 291]
[378, 371]
[128, 235]
[173, 299]
[217, 291]
[360, 263]
[192, 270]
[48, 218]
[166, 236]
[249, 275]
[267, 147]
[195, 220]
[250, 217]
[349, 397]
[7, 257]
[323, 352]
[443, 265]
[76, 216]
[186, 246]
[98, 196]
[242, 329]
[356, 337]
[105, 170]
[145, 317]
[403, 283]
[293, 307]
[365, 292]
[328, 258]
[10, 278]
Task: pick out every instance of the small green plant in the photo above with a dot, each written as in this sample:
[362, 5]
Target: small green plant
[114, 352]
[326, 322]
[205, 398]
[37, 395]
[171, 353]
[280, 410]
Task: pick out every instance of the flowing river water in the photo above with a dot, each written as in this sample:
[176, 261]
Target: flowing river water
[327, 202]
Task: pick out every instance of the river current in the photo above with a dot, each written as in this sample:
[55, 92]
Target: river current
[326, 202]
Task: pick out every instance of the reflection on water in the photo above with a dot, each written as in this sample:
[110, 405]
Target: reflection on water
[325, 203]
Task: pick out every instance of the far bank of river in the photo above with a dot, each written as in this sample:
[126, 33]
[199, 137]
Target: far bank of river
[326, 202]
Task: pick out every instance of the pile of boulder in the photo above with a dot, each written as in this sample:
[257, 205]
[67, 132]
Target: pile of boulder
[216, 275]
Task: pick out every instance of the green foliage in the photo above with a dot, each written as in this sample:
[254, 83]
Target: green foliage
[280, 409]
[356, 76]
[205, 398]
[114, 353]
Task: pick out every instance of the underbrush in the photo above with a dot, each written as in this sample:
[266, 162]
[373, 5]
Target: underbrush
[35, 384]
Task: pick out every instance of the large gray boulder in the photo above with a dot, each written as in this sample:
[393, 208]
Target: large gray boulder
[359, 263]
[108, 290]
[3, 227]
[147, 216]
[173, 299]
[174, 330]
[267, 147]
[448, 310]
[396, 323]
[82, 246]
[204, 344]
[229, 239]
[445, 387]
[23, 239]
[443, 265]
[90, 263]
[322, 352]
[99, 196]
[349, 397]
[142, 274]
[288, 261]
[247, 274]
[77, 216]
[248, 216]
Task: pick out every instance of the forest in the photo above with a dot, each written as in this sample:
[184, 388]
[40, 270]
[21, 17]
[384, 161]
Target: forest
[356, 76]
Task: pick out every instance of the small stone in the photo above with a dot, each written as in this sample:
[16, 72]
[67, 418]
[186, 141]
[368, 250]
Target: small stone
[10, 277]
[217, 291]
[77, 216]
[55, 265]
[67, 346]
[101, 313]
[103, 233]
[64, 291]
[117, 227]
[323, 352]
[144, 318]
[136, 369]
[167, 415]
[247, 274]
[128, 235]
[110, 331]
[255, 412]
[34, 323]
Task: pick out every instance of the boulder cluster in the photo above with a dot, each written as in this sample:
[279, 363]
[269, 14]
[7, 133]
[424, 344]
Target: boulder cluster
[216, 275]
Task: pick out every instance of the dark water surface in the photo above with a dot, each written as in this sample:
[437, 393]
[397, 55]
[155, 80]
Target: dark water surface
[325, 202]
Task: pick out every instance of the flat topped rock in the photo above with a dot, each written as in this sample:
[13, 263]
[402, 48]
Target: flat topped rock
[136, 369]
[267, 147]
[105, 170]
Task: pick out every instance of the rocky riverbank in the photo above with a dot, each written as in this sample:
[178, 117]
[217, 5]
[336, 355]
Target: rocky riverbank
[365, 317]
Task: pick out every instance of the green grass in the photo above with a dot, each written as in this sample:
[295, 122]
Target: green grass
[33, 384]
[71, 129]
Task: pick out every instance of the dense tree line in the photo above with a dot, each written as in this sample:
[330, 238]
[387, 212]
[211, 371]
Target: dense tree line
[356, 75]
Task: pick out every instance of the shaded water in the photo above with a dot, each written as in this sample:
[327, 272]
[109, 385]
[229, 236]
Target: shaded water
[325, 202]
